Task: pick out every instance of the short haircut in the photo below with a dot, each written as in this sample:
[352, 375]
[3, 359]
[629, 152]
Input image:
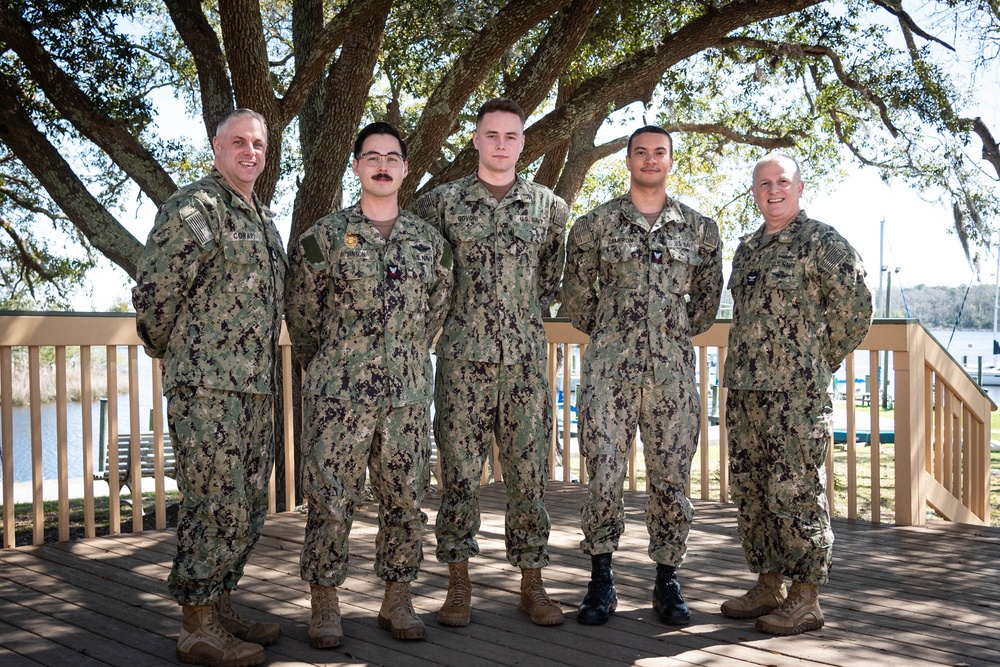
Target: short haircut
[377, 128]
[241, 113]
[775, 156]
[500, 104]
[653, 129]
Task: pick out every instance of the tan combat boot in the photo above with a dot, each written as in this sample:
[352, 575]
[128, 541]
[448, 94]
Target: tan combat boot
[324, 628]
[243, 628]
[766, 596]
[799, 612]
[397, 615]
[457, 608]
[203, 641]
[535, 601]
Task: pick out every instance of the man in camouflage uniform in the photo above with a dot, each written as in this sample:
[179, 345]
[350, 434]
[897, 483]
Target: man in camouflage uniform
[507, 236]
[368, 289]
[800, 305]
[643, 275]
[208, 302]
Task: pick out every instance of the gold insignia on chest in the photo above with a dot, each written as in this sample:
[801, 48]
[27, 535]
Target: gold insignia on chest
[351, 240]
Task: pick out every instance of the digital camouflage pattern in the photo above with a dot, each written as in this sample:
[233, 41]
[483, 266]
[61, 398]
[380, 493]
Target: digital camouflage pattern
[474, 402]
[340, 439]
[667, 415]
[362, 311]
[641, 293]
[777, 452]
[362, 314]
[800, 305]
[224, 488]
[208, 297]
[509, 258]
[208, 301]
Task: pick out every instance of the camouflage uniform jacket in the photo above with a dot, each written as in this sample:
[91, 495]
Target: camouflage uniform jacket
[508, 261]
[208, 298]
[800, 305]
[641, 293]
[362, 310]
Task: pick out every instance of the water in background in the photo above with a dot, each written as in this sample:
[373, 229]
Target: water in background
[966, 347]
[21, 425]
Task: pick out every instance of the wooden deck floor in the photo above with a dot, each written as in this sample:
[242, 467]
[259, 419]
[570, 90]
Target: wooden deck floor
[898, 596]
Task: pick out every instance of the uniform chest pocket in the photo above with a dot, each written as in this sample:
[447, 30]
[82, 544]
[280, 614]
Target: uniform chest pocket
[358, 266]
[526, 236]
[621, 265]
[787, 277]
[247, 266]
[683, 261]
[419, 261]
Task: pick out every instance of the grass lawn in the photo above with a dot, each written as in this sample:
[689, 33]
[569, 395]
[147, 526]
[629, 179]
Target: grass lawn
[23, 517]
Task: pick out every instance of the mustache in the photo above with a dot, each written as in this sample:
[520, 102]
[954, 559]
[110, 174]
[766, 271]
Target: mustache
[382, 177]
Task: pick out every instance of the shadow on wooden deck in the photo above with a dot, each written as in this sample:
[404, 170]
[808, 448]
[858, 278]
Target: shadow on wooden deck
[913, 596]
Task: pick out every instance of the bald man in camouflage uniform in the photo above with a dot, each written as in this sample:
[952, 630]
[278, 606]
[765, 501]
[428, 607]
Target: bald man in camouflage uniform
[507, 236]
[368, 289]
[800, 305]
[643, 275]
[208, 302]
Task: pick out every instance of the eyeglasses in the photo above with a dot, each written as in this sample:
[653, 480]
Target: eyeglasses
[373, 158]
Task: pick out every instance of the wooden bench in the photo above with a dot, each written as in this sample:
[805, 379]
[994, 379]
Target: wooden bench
[147, 460]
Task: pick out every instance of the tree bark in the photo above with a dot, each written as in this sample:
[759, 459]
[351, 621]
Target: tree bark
[58, 178]
[111, 135]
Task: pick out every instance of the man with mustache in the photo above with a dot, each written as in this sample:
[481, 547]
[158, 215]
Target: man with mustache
[643, 275]
[368, 289]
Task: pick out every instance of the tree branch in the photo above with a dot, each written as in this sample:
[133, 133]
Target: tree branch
[57, 177]
[991, 152]
[111, 135]
[28, 258]
[896, 9]
[643, 70]
[785, 49]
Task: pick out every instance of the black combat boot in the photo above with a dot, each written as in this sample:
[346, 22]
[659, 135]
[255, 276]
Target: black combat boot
[601, 599]
[667, 599]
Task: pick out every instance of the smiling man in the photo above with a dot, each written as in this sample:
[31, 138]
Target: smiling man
[367, 291]
[507, 234]
[800, 305]
[208, 302]
[643, 275]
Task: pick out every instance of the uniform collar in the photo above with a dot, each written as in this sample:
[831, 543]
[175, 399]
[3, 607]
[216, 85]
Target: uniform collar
[755, 238]
[236, 200]
[474, 191]
[671, 214]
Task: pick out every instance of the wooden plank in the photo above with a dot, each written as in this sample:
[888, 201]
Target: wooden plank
[885, 604]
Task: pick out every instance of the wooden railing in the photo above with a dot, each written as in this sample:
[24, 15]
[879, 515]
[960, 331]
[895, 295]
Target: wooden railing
[940, 457]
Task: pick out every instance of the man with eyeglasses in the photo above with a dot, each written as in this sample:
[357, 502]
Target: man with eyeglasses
[368, 289]
[644, 275]
[507, 235]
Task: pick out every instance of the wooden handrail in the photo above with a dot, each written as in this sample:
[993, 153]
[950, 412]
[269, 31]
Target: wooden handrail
[941, 434]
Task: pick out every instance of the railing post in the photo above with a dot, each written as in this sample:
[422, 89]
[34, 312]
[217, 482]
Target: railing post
[909, 448]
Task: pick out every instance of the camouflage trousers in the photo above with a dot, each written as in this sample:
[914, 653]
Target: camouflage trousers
[777, 450]
[475, 402]
[224, 445]
[340, 439]
[667, 417]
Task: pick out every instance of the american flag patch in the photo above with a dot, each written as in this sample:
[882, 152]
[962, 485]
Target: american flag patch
[199, 227]
[833, 258]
